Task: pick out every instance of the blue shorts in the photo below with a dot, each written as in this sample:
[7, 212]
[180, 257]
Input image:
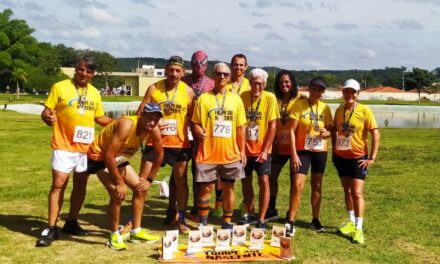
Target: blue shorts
[350, 167]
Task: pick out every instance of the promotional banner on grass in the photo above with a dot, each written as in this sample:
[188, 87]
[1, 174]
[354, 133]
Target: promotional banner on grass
[235, 254]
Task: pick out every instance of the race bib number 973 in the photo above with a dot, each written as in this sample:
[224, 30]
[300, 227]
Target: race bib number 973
[222, 129]
[84, 134]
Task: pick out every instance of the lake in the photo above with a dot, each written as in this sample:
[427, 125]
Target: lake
[396, 116]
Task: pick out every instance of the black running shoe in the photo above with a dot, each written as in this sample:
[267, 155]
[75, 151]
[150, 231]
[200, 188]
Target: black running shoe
[316, 225]
[248, 219]
[48, 235]
[261, 224]
[271, 215]
[290, 229]
[72, 227]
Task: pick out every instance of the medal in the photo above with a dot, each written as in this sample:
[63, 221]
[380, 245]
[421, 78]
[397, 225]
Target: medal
[168, 109]
[316, 126]
[252, 124]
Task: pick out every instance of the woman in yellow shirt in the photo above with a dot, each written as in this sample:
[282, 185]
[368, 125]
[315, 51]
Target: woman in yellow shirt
[353, 121]
[286, 92]
[310, 126]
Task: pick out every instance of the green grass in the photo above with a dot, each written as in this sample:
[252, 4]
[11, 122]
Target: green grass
[402, 221]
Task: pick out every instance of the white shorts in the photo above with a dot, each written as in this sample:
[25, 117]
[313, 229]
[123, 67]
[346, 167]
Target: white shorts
[66, 161]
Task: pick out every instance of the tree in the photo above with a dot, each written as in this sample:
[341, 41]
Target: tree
[419, 79]
[19, 75]
[330, 79]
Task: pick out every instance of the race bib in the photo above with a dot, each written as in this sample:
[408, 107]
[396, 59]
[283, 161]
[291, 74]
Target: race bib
[283, 137]
[84, 134]
[313, 143]
[222, 129]
[169, 127]
[343, 143]
[252, 133]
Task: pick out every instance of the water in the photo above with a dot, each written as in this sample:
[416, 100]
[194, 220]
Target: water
[395, 116]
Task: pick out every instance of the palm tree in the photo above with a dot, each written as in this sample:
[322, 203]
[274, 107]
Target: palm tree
[19, 75]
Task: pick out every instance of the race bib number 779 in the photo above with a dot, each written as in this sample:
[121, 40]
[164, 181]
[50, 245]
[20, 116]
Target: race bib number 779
[84, 134]
[222, 129]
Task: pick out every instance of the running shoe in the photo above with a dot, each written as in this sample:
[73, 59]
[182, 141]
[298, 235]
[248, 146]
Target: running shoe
[227, 225]
[271, 215]
[290, 229]
[316, 225]
[194, 216]
[125, 230]
[348, 229]
[116, 242]
[72, 227]
[358, 236]
[48, 235]
[248, 219]
[260, 224]
[143, 236]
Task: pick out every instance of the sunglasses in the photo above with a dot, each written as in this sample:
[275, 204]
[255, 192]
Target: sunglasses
[221, 74]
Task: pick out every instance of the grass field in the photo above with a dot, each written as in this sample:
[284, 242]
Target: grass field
[402, 222]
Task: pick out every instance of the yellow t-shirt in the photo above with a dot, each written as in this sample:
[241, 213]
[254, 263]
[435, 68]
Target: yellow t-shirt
[267, 111]
[72, 129]
[239, 89]
[100, 145]
[352, 142]
[220, 145]
[282, 138]
[176, 133]
[305, 134]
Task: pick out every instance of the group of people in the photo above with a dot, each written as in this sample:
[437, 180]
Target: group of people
[228, 125]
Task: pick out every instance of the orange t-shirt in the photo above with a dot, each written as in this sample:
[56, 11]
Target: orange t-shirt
[73, 131]
[220, 145]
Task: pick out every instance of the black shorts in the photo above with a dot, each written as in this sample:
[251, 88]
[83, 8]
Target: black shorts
[93, 166]
[171, 155]
[261, 168]
[317, 160]
[350, 167]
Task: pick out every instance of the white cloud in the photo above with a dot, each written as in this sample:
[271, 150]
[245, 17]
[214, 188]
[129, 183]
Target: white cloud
[100, 16]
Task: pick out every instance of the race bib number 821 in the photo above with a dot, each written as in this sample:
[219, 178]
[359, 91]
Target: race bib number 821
[84, 134]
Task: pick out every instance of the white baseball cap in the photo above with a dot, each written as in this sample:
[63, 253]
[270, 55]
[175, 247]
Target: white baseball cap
[353, 84]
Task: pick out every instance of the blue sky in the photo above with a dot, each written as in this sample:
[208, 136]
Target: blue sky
[297, 35]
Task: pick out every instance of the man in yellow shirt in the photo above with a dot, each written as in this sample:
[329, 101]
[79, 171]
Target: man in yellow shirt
[176, 101]
[238, 83]
[107, 157]
[72, 108]
[219, 124]
[262, 115]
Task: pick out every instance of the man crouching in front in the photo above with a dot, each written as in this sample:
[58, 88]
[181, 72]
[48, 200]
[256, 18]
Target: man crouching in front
[107, 157]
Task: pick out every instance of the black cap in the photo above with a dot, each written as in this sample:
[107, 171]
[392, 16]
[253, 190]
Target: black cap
[319, 81]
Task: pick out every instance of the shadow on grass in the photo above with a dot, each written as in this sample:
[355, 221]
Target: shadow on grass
[32, 226]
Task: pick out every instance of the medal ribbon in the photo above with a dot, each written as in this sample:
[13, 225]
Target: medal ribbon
[315, 116]
[170, 103]
[81, 98]
[197, 91]
[254, 113]
[351, 113]
[220, 109]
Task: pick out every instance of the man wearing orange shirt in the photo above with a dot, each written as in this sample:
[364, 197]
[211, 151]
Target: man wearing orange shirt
[72, 108]
[219, 124]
